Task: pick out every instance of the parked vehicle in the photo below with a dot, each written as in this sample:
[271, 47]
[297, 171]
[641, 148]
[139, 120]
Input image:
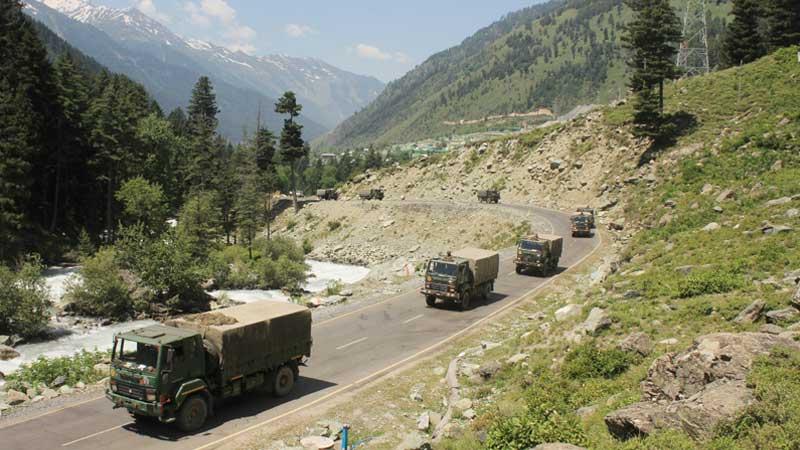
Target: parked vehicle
[489, 196]
[327, 194]
[461, 276]
[371, 194]
[179, 371]
[581, 225]
[539, 252]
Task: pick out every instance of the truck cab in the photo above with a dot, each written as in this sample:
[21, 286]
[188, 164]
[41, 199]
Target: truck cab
[155, 369]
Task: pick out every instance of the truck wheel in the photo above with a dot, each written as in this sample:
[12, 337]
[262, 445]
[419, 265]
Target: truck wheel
[519, 270]
[466, 300]
[430, 300]
[193, 413]
[284, 382]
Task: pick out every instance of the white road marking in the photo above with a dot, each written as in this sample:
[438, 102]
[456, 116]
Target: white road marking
[94, 434]
[413, 319]
[352, 343]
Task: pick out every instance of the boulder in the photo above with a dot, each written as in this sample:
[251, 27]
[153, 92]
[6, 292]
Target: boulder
[463, 404]
[558, 446]
[782, 315]
[568, 312]
[516, 359]
[7, 353]
[49, 394]
[469, 414]
[792, 213]
[424, 422]
[65, 390]
[556, 164]
[638, 342]
[725, 195]
[489, 369]
[778, 202]
[707, 189]
[697, 415]
[597, 321]
[14, 397]
[718, 356]
[59, 381]
[713, 226]
[771, 329]
[317, 442]
[751, 313]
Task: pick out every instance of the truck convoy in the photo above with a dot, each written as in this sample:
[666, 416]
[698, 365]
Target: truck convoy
[539, 252]
[177, 372]
[371, 194]
[461, 276]
[489, 196]
[582, 224]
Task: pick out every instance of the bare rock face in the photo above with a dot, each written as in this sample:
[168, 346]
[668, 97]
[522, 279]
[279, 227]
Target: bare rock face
[751, 313]
[637, 343]
[695, 389]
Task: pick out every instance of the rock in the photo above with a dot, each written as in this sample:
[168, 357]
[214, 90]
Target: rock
[771, 329]
[439, 371]
[516, 359]
[317, 442]
[751, 313]
[59, 381]
[387, 224]
[707, 189]
[557, 446]
[65, 390]
[556, 164]
[436, 418]
[792, 213]
[638, 342]
[469, 414]
[665, 220]
[597, 321]
[586, 411]
[486, 345]
[778, 202]
[463, 404]
[424, 422]
[717, 356]
[669, 341]
[568, 312]
[49, 394]
[332, 300]
[727, 194]
[413, 441]
[718, 209]
[314, 302]
[80, 385]
[697, 415]
[7, 353]
[489, 369]
[713, 226]
[796, 297]
[102, 368]
[14, 397]
[578, 164]
[346, 293]
[616, 225]
[415, 395]
[670, 203]
[31, 392]
[5, 340]
[782, 315]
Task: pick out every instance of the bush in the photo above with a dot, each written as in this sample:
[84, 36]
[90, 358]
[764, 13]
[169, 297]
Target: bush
[24, 300]
[334, 288]
[278, 263]
[334, 225]
[589, 361]
[102, 291]
[709, 282]
[78, 367]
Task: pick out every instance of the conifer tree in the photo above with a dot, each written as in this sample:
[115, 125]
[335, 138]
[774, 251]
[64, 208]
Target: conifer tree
[264, 144]
[783, 23]
[201, 127]
[743, 42]
[292, 146]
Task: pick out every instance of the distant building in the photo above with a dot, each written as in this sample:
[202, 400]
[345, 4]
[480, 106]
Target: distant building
[328, 158]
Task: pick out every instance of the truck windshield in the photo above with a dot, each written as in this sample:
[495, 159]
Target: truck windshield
[443, 268]
[136, 355]
[581, 219]
[530, 245]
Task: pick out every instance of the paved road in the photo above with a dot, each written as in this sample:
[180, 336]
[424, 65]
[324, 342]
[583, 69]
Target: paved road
[349, 350]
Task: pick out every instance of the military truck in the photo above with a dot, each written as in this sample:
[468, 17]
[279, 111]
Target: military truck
[179, 371]
[371, 194]
[539, 252]
[461, 277]
[581, 225]
[489, 196]
[327, 194]
[590, 212]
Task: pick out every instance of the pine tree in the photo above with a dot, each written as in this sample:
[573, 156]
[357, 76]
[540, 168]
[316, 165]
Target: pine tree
[783, 23]
[264, 159]
[292, 146]
[743, 42]
[201, 127]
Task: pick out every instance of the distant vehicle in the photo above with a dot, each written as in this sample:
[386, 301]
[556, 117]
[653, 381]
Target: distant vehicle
[461, 277]
[489, 196]
[179, 371]
[327, 194]
[371, 194]
[581, 225]
[592, 214]
[539, 252]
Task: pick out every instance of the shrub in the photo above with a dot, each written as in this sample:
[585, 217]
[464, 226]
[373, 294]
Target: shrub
[78, 367]
[709, 282]
[101, 291]
[276, 264]
[24, 300]
[308, 247]
[589, 361]
[334, 225]
[334, 288]
[290, 224]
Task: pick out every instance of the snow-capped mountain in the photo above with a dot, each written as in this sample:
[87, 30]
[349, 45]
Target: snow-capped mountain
[328, 94]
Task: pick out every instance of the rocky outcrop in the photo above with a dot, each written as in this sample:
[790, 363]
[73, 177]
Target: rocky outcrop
[639, 343]
[751, 313]
[695, 389]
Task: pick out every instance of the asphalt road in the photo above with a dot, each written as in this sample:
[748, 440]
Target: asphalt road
[350, 350]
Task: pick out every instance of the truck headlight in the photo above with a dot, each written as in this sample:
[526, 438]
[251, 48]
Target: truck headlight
[150, 395]
[113, 385]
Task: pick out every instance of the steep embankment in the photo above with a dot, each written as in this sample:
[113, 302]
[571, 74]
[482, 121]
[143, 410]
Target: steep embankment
[685, 336]
[555, 55]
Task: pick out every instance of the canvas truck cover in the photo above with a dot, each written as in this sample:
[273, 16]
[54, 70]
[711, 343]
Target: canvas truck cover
[253, 337]
[484, 263]
[556, 243]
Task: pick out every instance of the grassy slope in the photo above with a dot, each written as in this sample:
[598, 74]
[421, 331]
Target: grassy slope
[490, 73]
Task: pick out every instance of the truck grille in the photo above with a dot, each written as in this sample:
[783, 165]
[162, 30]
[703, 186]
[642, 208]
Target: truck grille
[438, 287]
[131, 390]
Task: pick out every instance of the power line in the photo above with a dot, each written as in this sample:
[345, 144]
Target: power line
[693, 52]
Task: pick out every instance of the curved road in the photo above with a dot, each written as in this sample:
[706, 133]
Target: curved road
[350, 350]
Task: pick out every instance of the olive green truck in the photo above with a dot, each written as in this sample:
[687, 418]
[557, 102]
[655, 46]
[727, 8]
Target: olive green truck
[539, 253]
[460, 277]
[179, 371]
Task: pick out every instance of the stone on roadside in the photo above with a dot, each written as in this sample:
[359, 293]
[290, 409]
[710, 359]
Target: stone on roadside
[413, 441]
[80, 385]
[752, 313]
[65, 390]
[15, 397]
[637, 342]
[7, 353]
[49, 394]
[59, 381]
[568, 312]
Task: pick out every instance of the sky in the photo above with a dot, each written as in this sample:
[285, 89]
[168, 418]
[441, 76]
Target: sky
[379, 38]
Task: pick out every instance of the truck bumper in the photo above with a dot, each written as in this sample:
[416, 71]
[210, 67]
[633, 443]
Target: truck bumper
[440, 294]
[141, 408]
[528, 264]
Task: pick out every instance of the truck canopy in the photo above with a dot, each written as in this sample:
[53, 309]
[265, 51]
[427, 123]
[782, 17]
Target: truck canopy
[553, 242]
[252, 337]
[484, 264]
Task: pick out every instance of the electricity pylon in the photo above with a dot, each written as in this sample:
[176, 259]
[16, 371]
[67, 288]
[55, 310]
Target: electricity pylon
[693, 51]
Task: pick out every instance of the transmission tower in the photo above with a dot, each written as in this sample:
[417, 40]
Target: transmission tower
[693, 51]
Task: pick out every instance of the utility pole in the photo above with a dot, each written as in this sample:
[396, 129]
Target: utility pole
[693, 51]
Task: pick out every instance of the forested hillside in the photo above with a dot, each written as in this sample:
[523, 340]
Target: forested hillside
[556, 55]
